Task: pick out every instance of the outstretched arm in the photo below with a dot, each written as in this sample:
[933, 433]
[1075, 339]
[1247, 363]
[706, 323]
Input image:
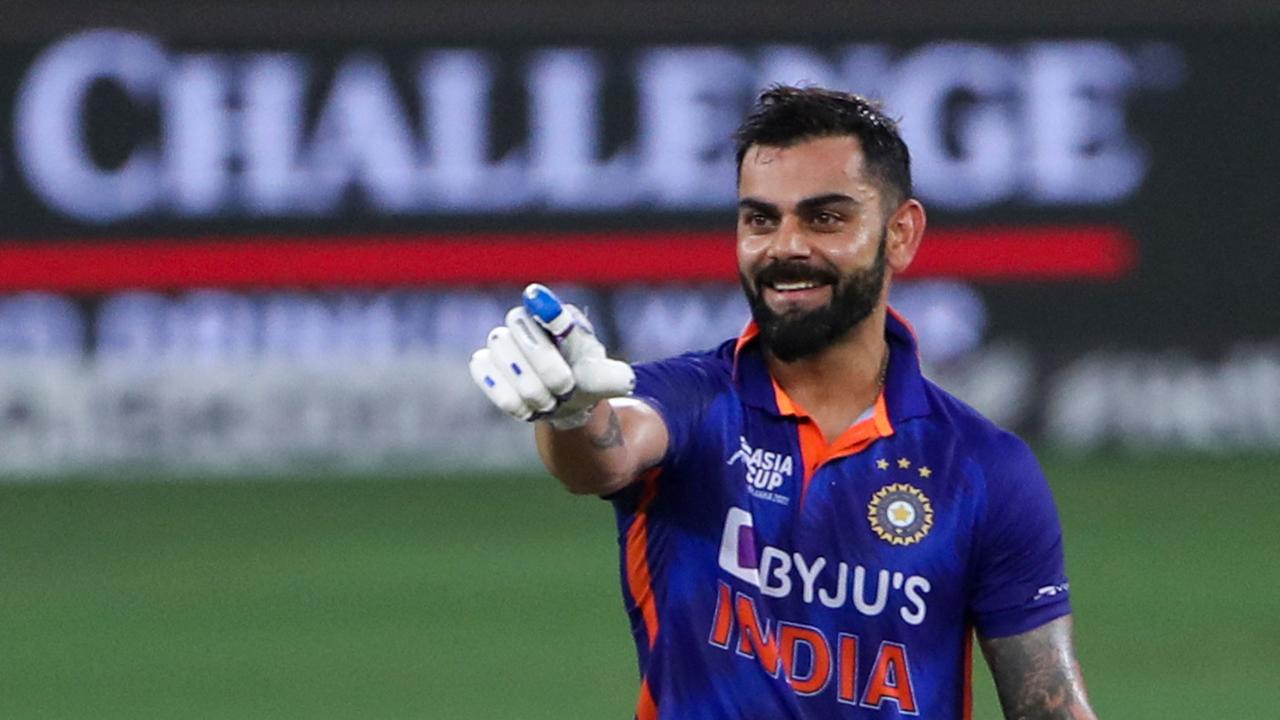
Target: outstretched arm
[1037, 675]
[623, 438]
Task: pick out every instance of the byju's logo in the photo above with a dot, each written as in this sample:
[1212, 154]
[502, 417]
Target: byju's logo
[766, 471]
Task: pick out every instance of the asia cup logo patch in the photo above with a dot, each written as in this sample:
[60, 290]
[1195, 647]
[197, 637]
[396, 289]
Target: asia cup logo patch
[900, 514]
[766, 471]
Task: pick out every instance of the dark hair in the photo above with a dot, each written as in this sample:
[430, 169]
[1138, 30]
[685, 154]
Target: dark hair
[784, 115]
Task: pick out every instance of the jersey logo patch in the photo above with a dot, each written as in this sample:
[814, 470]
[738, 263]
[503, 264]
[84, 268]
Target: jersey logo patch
[765, 471]
[900, 514]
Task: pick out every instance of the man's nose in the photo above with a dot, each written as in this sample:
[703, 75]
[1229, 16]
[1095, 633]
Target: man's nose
[789, 241]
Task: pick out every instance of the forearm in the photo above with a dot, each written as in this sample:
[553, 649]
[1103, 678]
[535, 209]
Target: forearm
[1037, 676]
[621, 439]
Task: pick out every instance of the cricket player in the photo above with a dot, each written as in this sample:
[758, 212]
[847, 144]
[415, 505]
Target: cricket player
[809, 527]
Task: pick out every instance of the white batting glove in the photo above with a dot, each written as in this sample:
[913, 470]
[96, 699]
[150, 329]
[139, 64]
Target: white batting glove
[546, 363]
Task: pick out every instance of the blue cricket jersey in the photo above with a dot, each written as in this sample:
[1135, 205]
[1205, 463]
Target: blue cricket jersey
[769, 573]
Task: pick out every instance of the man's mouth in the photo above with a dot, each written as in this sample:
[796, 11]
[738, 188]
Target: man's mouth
[794, 285]
[796, 295]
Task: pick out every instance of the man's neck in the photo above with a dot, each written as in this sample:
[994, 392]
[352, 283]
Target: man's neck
[840, 383]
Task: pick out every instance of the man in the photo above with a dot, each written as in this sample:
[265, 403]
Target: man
[810, 528]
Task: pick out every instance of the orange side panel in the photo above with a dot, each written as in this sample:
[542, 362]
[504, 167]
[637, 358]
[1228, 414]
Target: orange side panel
[639, 581]
[646, 708]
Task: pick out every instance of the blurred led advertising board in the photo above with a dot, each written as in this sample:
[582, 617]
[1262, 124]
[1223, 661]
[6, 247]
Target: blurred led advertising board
[1097, 264]
[115, 131]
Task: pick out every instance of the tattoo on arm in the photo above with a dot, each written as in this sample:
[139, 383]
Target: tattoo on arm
[1037, 676]
[611, 436]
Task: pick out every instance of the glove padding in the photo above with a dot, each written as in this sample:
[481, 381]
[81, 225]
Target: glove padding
[530, 376]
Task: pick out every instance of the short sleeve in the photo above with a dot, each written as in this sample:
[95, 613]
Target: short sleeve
[1019, 578]
[680, 390]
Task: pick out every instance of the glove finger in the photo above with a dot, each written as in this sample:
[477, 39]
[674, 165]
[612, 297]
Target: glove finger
[513, 364]
[581, 342]
[604, 378]
[496, 386]
[541, 352]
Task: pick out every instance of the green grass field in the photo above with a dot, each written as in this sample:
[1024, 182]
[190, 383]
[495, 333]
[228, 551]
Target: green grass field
[498, 597]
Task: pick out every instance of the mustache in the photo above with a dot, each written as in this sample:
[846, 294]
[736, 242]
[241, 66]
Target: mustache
[794, 271]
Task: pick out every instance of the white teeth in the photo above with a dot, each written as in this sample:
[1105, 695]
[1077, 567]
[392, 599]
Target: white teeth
[784, 287]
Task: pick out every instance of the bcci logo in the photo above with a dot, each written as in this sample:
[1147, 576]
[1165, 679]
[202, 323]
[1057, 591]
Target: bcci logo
[766, 471]
[900, 514]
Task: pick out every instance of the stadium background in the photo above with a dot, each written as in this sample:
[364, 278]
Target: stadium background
[248, 246]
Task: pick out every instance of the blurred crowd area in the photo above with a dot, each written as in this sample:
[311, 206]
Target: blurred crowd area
[236, 382]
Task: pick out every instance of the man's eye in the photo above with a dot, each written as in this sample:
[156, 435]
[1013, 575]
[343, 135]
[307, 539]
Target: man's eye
[758, 220]
[826, 218]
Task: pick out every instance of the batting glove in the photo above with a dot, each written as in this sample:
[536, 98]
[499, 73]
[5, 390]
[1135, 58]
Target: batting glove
[546, 363]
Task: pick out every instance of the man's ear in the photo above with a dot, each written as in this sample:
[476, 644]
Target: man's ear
[903, 233]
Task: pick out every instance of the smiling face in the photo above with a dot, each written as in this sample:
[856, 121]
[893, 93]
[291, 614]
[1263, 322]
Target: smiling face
[812, 237]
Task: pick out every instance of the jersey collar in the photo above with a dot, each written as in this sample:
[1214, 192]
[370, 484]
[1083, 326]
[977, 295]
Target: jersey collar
[902, 397]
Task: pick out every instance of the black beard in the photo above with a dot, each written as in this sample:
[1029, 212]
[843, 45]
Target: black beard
[804, 333]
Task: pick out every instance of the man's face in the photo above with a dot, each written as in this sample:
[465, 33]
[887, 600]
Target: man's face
[811, 242]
